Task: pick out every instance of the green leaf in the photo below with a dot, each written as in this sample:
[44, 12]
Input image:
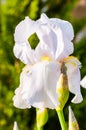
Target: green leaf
[33, 40]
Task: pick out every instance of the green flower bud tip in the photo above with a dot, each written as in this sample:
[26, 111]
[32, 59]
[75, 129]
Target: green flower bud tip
[62, 91]
[41, 117]
[73, 124]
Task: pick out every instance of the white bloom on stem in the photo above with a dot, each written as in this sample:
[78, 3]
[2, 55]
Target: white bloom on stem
[83, 82]
[38, 80]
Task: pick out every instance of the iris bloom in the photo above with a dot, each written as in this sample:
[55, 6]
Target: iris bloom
[39, 78]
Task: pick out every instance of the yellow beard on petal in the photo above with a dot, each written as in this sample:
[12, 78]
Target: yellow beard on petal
[73, 61]
[45, 58]
[69, 58]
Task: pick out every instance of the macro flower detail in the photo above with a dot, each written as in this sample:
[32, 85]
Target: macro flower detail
[44, 64]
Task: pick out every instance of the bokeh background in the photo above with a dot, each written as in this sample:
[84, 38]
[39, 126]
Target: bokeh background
[11, 13]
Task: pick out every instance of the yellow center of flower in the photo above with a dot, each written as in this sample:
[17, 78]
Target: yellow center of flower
[45, 58]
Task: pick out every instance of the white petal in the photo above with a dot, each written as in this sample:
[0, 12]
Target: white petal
[83, 82]
[24, 29]
[65, 26]
[22, 49]
[58, 36]
[38, 86]
[24, 53]
[54, 23]
[73, 73]
[43, 50]
[18, 101]
[64, 46]
[47, 38]
[65, 34]
[44, 18]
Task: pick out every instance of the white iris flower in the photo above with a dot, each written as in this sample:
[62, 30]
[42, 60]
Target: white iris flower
[38, 80]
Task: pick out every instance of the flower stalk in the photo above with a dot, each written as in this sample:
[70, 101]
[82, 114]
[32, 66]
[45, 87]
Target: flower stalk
[62, 119]
[40, 128]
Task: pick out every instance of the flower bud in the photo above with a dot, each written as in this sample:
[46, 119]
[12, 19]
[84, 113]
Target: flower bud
[15, 127]
[62, 91]
[41, 117]
[73, 124]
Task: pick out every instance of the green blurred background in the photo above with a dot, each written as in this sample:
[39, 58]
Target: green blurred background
[11, 13]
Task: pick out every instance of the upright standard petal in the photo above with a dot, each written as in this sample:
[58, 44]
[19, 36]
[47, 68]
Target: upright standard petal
[73, 72]
[24, 29]
[37, 87]
[58, 36]
[22, 49]
[65, 34]
[47, 38]
[57, 39]
[83, 82]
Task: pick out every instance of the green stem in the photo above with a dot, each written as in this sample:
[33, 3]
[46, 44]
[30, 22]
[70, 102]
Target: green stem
[61, 119]
[38, 121]
[40, 128]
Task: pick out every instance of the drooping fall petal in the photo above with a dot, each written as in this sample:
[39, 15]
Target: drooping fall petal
[37, 88]
[73, 72]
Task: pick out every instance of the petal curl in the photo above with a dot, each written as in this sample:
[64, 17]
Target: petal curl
[18, 101]
[47, 38]
[22, 49]
[73, 72]
[24, 29]
[24, 53]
